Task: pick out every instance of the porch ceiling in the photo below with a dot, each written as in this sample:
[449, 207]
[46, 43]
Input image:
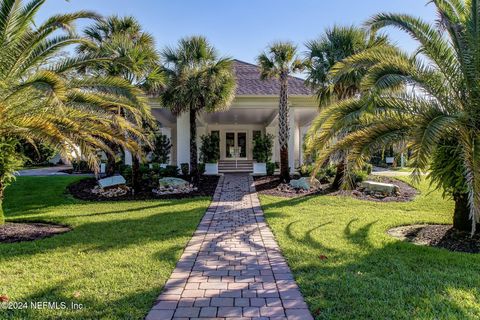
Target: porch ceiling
[241, 116]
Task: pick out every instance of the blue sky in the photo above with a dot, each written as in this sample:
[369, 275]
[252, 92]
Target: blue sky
[242, 28]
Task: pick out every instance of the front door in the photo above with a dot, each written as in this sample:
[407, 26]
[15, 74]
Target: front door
[236, 144]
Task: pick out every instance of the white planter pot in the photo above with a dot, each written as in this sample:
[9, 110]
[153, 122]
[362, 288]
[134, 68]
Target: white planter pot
[211, 169]
[389, 160]
[260, 168]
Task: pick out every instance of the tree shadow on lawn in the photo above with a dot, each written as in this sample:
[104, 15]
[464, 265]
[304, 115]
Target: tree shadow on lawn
[175, 228]
[129, 306]
[97, 236]
[395, 281]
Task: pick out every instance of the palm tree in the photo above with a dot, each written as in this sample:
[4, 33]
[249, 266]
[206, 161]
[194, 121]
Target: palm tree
[43, 99]
[335, 45]
[279, 61]
[133, 57]
[197, 81]
[430, 100]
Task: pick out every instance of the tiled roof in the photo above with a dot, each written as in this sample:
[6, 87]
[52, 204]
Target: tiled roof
[250, 84]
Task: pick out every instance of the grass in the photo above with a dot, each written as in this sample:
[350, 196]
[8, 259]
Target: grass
[349, 268]
[114, 262]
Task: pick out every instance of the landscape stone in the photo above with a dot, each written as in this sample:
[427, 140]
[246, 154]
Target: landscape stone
[305, 183]
[111, 182]
[172, 185]
[373, 186]
[173, 182]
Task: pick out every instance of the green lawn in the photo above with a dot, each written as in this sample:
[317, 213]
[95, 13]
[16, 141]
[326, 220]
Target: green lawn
[366, 273]
[114, 262]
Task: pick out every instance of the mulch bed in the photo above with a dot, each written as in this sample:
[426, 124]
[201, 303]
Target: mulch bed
[440, 236]
[82, 190]
[18, 232]
[268, 186]
[406, 191]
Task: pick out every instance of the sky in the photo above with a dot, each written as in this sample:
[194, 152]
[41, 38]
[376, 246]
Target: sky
[241, 29]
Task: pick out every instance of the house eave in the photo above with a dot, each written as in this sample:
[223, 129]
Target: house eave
[255, 101]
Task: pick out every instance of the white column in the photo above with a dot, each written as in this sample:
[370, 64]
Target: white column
[293, 141]
[128, 158]
[183, 138]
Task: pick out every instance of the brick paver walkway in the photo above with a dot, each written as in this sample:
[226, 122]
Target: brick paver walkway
[232, 267]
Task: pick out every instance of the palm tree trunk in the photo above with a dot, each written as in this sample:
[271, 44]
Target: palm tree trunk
[461, 215]
[339, 176]
[135, 174]
[283, 129]
[193, 147]
[2, 216]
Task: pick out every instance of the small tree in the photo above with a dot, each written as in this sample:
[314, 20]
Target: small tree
[210, 149]
[262, 148]
[162, 146]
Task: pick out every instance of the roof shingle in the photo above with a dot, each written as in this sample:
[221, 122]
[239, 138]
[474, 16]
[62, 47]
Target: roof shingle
[250, 84]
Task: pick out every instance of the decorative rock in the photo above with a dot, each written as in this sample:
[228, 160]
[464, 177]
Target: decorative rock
[111, 192]
[379, 189]
[173, 182]
[111, 182]
[173, 186]
[305, 183]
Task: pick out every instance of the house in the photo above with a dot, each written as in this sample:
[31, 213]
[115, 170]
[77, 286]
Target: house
[253, 111]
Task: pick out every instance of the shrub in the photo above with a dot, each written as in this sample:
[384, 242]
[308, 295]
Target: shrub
[306, 170]
[270, 168]
[367, 168]
[210, 148]
[201, 168]
[126, 172]
[161, 149]
[155, 166]
[185, 168]
[330, 171]
[169, 171]
[262, 148]
[359, 176]
[36, 155]
[81, 166]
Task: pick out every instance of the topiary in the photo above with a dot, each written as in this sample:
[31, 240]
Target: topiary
[262, 148]
[210, 148]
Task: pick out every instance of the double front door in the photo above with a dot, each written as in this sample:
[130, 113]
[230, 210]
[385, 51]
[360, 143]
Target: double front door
[236, 144]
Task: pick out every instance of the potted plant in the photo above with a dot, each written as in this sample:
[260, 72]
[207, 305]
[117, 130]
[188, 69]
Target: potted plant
[210, 153]
[262, 153]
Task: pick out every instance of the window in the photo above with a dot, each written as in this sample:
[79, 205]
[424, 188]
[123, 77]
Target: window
[256, 133]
